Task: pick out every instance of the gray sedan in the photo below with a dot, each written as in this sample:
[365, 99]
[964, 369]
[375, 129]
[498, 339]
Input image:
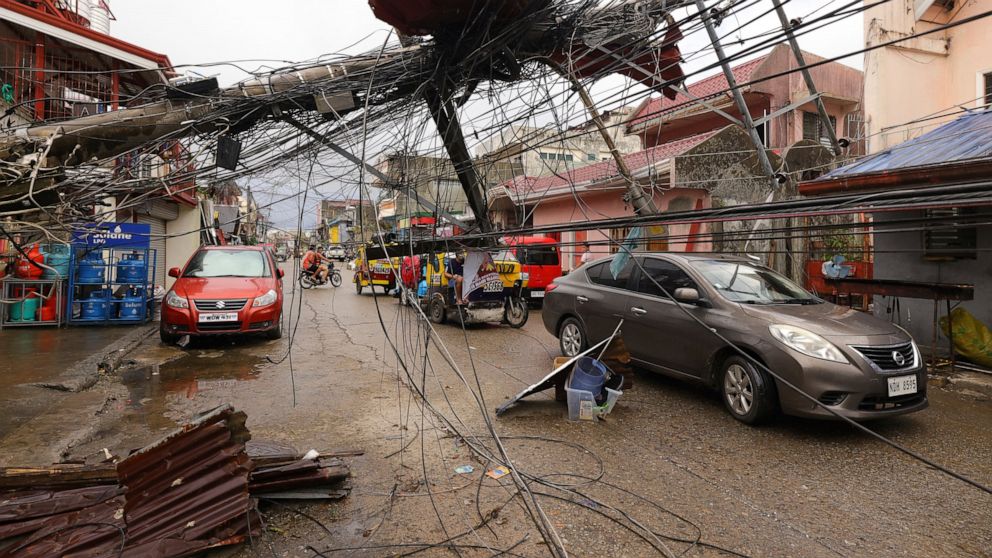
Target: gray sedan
[673, 306]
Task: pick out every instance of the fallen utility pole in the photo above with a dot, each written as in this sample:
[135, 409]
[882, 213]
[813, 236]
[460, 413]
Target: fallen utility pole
[411, 192]
[748, 122]
[788, 27]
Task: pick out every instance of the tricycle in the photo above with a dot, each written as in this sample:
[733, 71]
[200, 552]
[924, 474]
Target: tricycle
[493, 288]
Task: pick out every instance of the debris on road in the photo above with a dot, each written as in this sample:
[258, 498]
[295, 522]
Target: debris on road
[195, 489]
[612, 352]
[464, 469]
[498, 473]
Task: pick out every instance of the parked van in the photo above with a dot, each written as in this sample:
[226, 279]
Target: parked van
[540, 260]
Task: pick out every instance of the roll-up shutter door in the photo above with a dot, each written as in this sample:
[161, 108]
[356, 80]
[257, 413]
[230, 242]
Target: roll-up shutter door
[157, 244]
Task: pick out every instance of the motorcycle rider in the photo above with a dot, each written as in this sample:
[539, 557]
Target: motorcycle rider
[313, 263]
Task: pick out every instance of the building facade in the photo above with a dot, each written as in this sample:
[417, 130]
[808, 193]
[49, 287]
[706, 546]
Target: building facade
[58, 61]
[690, 158]
[953, 67]
[940, 241]
[548, 151]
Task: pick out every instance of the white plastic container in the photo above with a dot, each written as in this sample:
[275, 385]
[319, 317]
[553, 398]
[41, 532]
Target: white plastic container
[582, 404]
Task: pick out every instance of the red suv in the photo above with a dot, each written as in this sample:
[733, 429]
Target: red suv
[224, 290]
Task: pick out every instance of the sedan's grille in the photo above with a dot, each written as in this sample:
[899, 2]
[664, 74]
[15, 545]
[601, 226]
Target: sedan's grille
[891, 357]
[219, 326]
[220, 305]
[889, 403]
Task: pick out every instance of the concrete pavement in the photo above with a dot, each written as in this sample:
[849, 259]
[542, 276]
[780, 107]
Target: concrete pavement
[669, 456]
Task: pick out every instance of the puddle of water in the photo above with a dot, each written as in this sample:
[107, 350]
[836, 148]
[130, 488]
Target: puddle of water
[150, 387]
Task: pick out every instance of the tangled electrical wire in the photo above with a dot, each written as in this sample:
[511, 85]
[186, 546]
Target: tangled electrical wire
[489, 78]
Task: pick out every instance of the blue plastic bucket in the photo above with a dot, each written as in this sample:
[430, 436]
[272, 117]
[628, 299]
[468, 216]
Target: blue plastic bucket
[589, 375]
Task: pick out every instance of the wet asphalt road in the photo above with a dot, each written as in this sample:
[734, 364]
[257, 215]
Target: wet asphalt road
[669, 456]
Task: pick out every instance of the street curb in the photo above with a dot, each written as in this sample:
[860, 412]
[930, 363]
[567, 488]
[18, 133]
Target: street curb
[86, 373]
[972, 383]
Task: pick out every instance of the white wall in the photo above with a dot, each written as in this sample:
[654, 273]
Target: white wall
[179, 246]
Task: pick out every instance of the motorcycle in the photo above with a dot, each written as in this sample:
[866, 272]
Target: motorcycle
[308, 281]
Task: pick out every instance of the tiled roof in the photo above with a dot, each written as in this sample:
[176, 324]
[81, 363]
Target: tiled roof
[702, 89]
[602, 173]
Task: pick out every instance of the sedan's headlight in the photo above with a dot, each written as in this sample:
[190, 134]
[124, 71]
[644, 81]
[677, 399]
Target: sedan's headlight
[806, 342]
[175, 301]
[267, 299]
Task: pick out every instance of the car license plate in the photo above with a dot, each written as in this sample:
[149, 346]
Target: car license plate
[902, 385]
[219, 317]
[537, 294]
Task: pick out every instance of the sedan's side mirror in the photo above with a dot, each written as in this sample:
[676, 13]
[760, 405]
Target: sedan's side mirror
[687, 295]
[280, 273]
[175, 272]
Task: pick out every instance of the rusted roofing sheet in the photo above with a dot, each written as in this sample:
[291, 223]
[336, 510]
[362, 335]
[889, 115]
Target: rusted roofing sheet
[189, 491]
[179, 496]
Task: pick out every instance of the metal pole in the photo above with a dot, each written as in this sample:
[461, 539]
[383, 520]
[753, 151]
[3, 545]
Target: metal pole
[787, 26]
[766, 164]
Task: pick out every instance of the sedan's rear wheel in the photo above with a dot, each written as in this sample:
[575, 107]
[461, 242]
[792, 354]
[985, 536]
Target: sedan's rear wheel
[748, 393]
[571, 338]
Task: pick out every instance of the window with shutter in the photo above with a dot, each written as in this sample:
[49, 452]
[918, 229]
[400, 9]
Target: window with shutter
[946, 237]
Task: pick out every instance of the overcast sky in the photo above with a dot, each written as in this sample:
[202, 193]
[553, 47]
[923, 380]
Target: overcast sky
[254, 34]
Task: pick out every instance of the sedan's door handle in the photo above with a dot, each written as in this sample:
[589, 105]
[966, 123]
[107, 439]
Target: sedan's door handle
[638, 311]
[582, 299]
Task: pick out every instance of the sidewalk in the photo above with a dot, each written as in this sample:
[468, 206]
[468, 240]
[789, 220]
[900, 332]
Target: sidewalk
[42, 368]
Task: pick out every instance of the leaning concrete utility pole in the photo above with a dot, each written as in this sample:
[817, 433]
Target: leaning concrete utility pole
[766, 164]
[788, 27]
[643, 203]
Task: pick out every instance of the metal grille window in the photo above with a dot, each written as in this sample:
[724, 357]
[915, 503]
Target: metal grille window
[987, 78]
[813, 128]
[946, 237]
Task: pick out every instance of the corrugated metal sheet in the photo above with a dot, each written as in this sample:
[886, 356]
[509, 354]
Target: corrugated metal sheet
[189, 491]
[179, 496]
[967, 138]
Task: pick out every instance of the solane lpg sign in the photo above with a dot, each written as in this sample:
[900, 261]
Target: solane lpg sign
[113, 235]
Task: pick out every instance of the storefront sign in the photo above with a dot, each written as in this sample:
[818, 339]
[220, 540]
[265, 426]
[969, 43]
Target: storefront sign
[114, 235]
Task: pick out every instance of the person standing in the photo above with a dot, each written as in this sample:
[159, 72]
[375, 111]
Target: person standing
[586, 255]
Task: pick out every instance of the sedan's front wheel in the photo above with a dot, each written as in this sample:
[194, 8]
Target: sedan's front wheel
[748, 393]
[571, 338]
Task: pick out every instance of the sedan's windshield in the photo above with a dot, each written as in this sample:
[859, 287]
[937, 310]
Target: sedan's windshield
[752, 284]
[227, 263]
